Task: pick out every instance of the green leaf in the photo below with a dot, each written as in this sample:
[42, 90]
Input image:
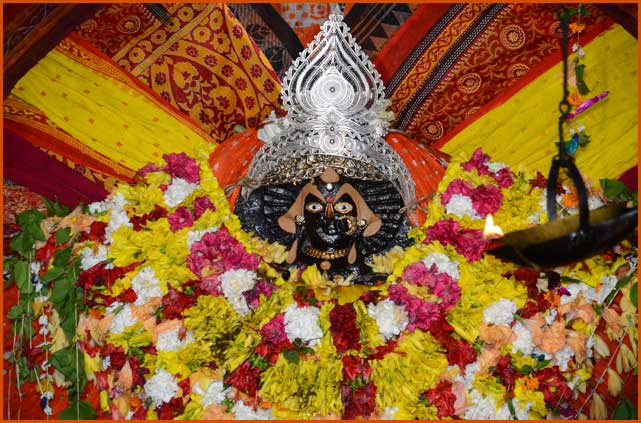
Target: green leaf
[64, 361]
[620, 284]
[570, 280]
[30, 216]
[542, 364]
[62, 257]
[15, 312]
[291, 355]
[525, 370]
[25, 372]
[584, 139]
[55, 208]
[580, 83]
[583, 11]
[23, 277]
[634, 294]
[625, 410]
[63, 235]
[61, 290]
[613, 190]
[53, 274]
[78, 411]
[22, 243]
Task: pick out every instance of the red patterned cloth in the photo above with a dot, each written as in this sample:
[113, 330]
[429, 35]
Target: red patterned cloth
[475, 52]
[202, 62]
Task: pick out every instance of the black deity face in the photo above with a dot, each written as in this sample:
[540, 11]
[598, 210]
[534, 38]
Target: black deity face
[329, 220]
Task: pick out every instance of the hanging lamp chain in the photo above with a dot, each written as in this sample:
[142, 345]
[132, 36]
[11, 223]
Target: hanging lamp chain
[564, 105]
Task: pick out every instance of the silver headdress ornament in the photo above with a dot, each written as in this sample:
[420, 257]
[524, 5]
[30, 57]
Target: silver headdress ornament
[336, 116]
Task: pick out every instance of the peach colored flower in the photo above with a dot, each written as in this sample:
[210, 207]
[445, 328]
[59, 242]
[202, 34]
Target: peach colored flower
[497, 335]
[147, 310]
[167, 326]
[125, 377]
[613, 320]
[535, 326]
[488, 358]
[216, 412]
[77, 221]
[122, 403]
[460, 405]
[97, 327]
[578, 342]
[578, 309]
[553, 339]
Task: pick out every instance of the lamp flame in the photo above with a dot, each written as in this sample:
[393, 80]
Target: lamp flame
[491, 230]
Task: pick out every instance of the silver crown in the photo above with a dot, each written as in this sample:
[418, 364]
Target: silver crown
[336, 116]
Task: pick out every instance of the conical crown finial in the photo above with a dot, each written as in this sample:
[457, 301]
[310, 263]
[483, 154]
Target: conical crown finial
[336, 116]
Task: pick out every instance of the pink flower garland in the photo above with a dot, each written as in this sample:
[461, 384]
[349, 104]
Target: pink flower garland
[467, 242]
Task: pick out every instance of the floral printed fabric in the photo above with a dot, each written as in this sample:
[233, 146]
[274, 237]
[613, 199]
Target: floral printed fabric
[202, 62]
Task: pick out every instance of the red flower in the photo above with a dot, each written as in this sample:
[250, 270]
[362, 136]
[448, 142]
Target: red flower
[442, 397]
[201, 204]
[96, 232]
[538, 182]
[470, 244]
[245, 52]
[181, 218]
[486, 199]
[460, 353]
[168, 410]
[269, 86]
[98, 275]
[174, 303]
[245, 378]
[457, 186]
[457, 352]
[553, 385]
[180, 165]
[117, 359]
[140, 221]
[237, 31]
[143, 171]
[255, 70]
[127, 296]
[445, 231]
[358, 402]
[343, 328]
[506, 372]
[479, 161]
[504, 177]
[383, 350]
[354, 366]
[252, 297]
[47, 251]
[185, 386]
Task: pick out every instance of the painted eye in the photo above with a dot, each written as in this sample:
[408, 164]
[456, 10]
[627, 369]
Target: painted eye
[343, 207]
[314, 207]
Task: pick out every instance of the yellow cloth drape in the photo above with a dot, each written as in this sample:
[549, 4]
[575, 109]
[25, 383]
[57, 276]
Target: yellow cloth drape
[524, 128]
[116, 119]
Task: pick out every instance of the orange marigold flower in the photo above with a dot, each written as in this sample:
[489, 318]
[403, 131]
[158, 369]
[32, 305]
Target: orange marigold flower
[577, 27]
[575, 99]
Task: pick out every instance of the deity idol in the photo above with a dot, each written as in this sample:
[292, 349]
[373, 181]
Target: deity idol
[326, 183]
